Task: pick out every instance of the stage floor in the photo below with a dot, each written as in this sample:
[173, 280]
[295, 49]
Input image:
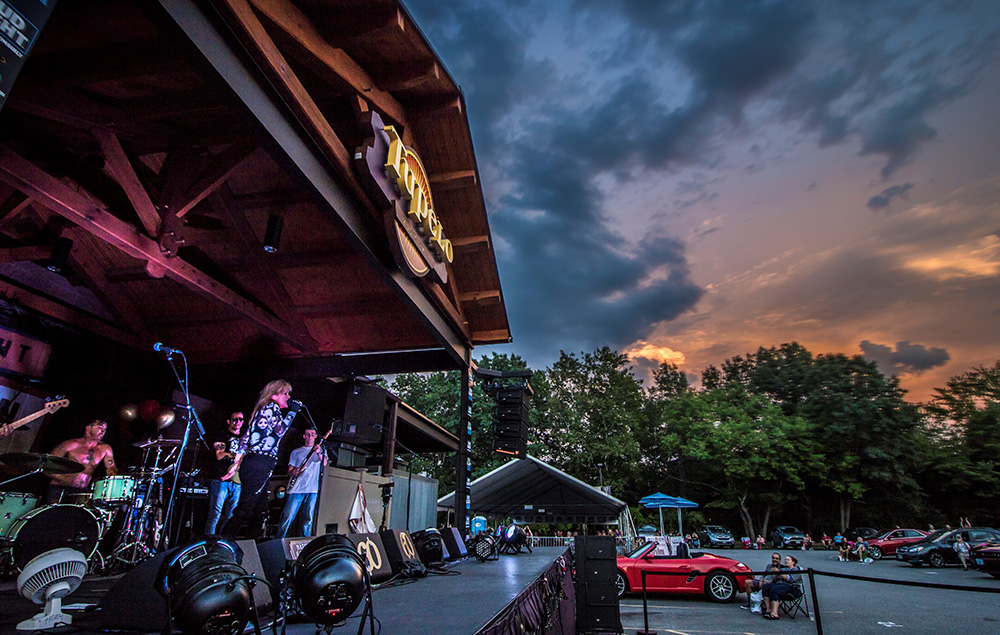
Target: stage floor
[459, 603]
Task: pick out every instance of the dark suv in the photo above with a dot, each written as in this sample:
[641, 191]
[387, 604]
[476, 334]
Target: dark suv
[715, 536]
[787, 536]
[938, 549]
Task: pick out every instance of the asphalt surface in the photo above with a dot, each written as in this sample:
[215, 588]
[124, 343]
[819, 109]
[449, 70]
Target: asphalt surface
[846, 606]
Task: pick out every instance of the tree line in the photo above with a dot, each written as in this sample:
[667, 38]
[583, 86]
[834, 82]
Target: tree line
[778, 436]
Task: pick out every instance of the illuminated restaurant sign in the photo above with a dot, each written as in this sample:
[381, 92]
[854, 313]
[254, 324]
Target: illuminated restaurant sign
[395, 178]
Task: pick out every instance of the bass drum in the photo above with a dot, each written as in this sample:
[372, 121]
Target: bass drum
[52, 527]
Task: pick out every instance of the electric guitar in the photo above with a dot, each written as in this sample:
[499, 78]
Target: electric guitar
[316, 446]
[48, 408]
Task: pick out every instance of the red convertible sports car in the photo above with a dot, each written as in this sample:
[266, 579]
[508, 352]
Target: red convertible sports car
[723, 579]
[886, 544]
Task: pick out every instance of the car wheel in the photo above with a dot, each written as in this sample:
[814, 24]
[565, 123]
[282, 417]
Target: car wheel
[936, 560]
[621, 584]
[875, 553]
[720, 587]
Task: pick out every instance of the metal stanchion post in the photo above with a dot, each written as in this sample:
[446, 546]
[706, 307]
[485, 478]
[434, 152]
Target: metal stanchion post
[815, 598]
[645, 609]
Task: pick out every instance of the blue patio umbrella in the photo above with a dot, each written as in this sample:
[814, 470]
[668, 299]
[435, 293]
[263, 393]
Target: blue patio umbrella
[660, 501]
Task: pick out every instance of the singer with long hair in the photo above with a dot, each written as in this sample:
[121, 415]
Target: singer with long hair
[258, 455]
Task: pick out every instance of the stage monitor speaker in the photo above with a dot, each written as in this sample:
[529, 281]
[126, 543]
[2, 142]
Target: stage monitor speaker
[133, 604]
[277, 553]
[597, 608]
[372, 551]
[399, 549]
[364, 414]
[453, 542]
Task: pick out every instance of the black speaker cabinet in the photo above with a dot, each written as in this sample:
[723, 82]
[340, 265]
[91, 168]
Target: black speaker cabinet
[453, 542]
[373, 553]
[597, 608]
[399, 549]
[364, 415]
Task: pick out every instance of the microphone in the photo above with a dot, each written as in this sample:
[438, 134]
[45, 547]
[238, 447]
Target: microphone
[296, 401]
[159, 346]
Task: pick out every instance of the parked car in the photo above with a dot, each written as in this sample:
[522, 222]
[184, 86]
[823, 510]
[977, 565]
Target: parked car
[885, 546]
[723, 579]
[987, 558]
[854, 533]
[716, 536]
[785, 536]
[646, 531]
[936, 549]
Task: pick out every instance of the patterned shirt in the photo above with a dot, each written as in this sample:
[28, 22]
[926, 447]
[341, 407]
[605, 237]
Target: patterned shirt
[266, 430]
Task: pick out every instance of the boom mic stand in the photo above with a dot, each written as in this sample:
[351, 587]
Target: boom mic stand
[191, 419]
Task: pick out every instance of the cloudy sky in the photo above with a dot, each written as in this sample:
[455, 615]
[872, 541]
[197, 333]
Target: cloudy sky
[690, 180]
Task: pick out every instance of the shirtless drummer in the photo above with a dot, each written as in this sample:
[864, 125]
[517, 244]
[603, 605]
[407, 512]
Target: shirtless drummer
[88, 451]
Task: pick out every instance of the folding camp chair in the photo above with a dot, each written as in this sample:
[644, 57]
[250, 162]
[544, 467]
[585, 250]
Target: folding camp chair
[792, 604]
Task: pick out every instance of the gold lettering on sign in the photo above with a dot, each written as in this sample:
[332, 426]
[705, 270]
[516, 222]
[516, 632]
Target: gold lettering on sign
[404, 168]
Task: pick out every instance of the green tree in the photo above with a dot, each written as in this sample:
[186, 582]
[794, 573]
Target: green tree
[587, 410]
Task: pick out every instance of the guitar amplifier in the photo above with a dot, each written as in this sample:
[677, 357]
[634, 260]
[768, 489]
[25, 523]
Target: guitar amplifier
[373, 554]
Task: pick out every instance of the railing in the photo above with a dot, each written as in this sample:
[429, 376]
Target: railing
[622, 545]
[811, 573]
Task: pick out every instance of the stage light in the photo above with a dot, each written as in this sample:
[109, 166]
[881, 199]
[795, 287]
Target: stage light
[485, 548]
[513, 539]
[207, 590]
[60, 254]
[47, 579]
[429, 545]
[330, 579]
[272, 237]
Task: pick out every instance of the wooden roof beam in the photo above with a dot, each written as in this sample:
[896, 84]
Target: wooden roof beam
[498, 336]
[125, 174]
[216, 174]
[480, 297]
[25, 254]
[310, 48]
[453, 180]
[91, 269]
[399, 77]
[12, 207]
[469, 244]
[432, 108]
[78, 209]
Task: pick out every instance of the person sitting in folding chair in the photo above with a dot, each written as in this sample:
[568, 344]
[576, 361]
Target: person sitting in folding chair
[785, 584]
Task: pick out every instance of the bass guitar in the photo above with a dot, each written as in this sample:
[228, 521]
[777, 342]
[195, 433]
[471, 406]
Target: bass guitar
[319, 443]
[47, 409]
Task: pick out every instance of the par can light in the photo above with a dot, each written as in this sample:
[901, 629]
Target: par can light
[330, 579]
[206, 589]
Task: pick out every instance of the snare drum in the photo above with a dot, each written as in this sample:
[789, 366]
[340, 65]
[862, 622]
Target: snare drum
[52, 527]
[113, 490]
[13, 505]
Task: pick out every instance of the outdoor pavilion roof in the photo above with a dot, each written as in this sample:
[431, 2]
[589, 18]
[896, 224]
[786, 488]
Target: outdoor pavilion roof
[532, 491]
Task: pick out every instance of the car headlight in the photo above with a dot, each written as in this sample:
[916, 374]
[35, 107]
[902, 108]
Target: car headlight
[740, 565]
[919, 549]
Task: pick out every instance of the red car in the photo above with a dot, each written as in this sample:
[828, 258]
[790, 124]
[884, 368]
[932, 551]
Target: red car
[887, 543]
[723, 580]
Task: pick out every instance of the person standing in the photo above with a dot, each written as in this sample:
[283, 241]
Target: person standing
[304, 467]
[258, 456]
[962, 549]
[223, 495]
[87, 450]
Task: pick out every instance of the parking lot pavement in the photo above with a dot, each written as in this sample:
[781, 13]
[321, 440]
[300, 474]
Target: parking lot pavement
[847, 606]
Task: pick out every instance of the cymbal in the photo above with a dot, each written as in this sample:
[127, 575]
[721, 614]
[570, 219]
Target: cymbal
[29, 461]
[157, 443]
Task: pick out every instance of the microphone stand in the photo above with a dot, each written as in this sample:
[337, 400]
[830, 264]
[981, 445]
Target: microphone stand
[191, 419]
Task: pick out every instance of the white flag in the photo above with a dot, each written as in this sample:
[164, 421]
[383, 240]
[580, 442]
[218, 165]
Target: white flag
[361, 520]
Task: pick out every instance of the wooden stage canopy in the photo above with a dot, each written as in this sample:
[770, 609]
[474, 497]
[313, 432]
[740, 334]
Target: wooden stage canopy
[161, 136]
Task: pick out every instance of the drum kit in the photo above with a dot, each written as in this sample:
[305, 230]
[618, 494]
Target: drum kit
[116, 525]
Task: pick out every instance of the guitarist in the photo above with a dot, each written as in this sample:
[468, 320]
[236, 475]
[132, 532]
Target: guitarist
[304, 467]
[88, 451]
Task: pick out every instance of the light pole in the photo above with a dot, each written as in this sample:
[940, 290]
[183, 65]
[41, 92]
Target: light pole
[600, 473]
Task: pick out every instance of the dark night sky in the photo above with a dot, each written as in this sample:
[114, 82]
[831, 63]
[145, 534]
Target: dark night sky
[688, 181]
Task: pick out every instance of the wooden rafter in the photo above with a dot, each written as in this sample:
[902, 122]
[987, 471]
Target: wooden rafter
[125, 174]
[12, 207]
[91, 269]
[215, 174]
[453, 180]
[333, 64]
[90, 216]
[25, 254]
[406, 76]
[480, 297]
[278, 298]
[281, 74]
